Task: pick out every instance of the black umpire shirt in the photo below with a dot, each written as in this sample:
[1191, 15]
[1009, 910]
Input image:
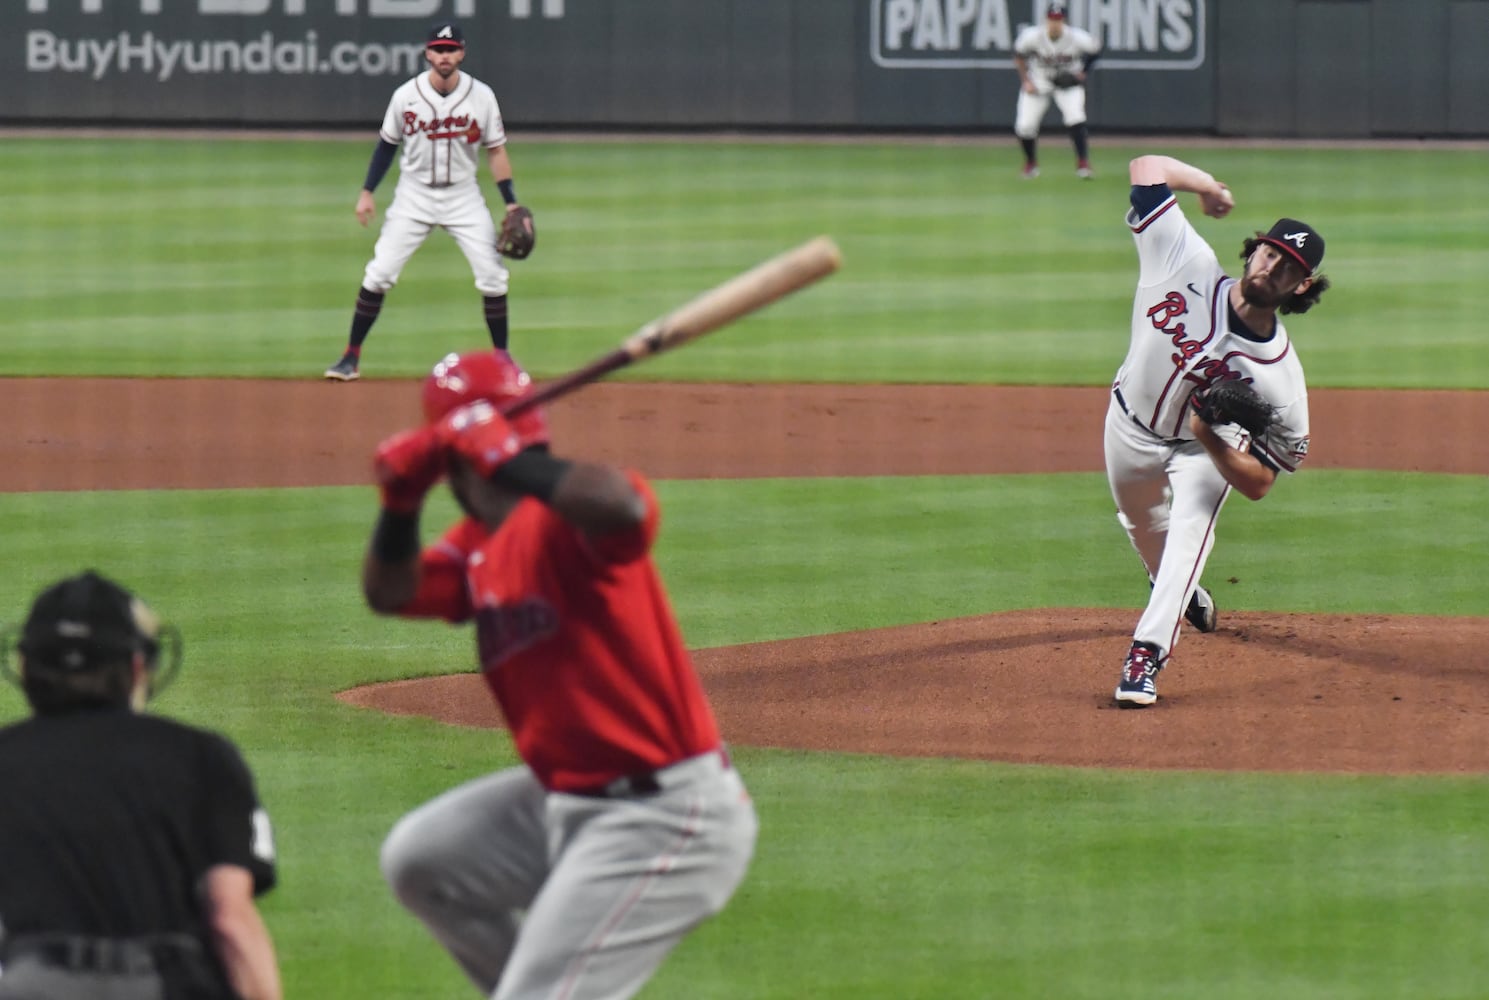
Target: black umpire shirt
[109, 819]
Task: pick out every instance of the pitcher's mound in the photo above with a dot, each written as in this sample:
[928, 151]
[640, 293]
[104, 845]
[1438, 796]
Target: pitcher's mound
[1366, 693]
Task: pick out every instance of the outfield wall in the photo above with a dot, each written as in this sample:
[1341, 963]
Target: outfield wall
[1315, 68]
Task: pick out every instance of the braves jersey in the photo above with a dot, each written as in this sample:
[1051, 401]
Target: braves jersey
[576, 642]
[1182, 337]
[440, 134]
[1048, 56]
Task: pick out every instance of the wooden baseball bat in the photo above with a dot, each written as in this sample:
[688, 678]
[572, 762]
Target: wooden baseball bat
[723, 304]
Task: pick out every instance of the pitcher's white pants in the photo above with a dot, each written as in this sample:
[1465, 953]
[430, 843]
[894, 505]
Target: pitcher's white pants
[1169, 495]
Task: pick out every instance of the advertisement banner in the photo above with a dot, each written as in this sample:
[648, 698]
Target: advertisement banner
[980, 34]
[263, 60]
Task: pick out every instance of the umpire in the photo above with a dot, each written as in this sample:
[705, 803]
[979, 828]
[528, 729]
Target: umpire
[131, 846]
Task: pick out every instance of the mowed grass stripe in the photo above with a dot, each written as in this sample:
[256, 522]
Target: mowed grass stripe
[941, 242]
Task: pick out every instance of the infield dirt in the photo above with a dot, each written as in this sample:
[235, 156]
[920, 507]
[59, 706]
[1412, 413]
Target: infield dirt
[1368, 693]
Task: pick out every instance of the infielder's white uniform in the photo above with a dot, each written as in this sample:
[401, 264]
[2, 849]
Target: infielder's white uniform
[1167, 489]
[1046, 57]
[441, 138]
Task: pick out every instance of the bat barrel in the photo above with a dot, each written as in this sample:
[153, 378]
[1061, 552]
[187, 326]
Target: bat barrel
[741, 295]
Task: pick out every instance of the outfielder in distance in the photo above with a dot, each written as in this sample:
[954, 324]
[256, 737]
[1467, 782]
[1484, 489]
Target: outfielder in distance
[1053, 59]
[440, 119]
[1194, 327]
[626, 826]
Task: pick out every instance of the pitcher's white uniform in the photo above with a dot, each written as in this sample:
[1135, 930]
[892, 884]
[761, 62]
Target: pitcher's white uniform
[1167, 490]
[1046, 57]
[441, 137]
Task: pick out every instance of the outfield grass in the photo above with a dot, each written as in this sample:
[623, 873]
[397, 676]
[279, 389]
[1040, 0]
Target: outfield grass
[875, 878]
[147, 256]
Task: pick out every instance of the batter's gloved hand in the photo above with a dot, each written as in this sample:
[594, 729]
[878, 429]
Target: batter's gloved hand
[478, 433]
[1065, 79]
[1234, 402]
[517, 236]
[407, 465]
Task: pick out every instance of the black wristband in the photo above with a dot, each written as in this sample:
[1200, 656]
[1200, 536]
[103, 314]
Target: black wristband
[509, 195]
[396, 537]
[534, 472]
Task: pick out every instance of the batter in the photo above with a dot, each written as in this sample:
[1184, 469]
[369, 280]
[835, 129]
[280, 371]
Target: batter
[575, 874]
[1192, 325]
[439, 119]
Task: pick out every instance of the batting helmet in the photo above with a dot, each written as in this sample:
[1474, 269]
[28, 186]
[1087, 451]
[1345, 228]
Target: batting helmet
[86, 623]
[490, 375]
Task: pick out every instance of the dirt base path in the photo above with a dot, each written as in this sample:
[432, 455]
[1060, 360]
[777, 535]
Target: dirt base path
[1274, 692]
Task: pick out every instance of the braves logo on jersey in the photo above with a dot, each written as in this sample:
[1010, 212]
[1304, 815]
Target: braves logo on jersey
[450, 127]
[1212, 370]
[1162, 314]
[503, 630]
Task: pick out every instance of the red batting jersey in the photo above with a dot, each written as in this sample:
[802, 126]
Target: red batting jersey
[576, 642]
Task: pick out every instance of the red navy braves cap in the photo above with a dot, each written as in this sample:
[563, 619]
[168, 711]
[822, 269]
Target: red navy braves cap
[445, 35]
[1299, 241]
[1055, 11]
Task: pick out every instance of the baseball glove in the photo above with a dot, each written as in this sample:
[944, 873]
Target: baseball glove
[1234, 402]
[517, 236]
[1065, 79]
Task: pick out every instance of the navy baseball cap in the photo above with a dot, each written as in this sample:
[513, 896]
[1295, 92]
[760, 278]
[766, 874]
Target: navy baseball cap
[1299, 241]
[1055, 11]
[445, 35]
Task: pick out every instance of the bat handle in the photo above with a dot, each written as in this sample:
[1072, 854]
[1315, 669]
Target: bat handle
[647, 340]
[550, 391]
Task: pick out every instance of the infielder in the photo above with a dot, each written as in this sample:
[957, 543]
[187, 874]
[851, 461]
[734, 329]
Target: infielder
[1053, 60]
[440, 119]
[575, 874]
[1193, 326]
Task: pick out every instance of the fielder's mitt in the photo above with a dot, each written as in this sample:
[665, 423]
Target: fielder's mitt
[1065, 79]
[517, 236]
[1234, 402]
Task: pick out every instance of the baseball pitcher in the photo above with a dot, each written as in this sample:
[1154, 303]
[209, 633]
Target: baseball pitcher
[1210, 397]
[440, 120]
[626, 826]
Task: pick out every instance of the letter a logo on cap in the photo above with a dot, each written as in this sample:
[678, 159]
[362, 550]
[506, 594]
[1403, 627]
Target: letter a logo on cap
[445, 32]
[1297, 239]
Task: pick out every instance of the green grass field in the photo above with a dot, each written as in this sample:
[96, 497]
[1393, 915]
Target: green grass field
[243, 258]
[874, 878]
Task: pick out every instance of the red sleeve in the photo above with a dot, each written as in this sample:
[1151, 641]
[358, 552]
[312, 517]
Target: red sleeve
[631, 544]
[442, 588]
